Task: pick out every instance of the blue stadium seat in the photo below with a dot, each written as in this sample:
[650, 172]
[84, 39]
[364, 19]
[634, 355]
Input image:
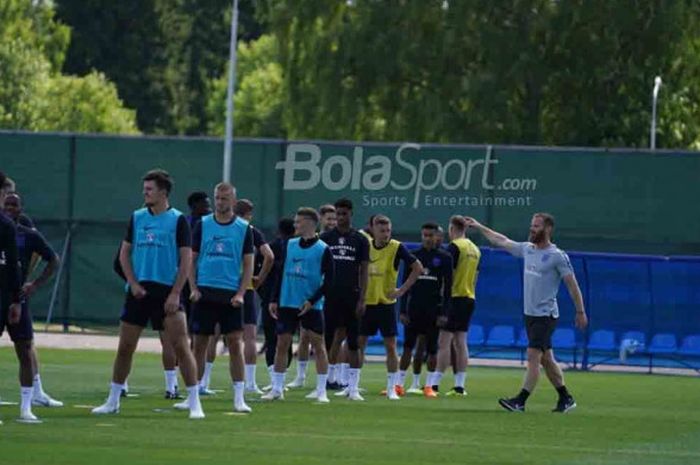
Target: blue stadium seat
[475, 336]
[564, 338]
[664, 343]
[603, 340]
[501, 336]
[522, 342]
[690, 345]
[637, 336]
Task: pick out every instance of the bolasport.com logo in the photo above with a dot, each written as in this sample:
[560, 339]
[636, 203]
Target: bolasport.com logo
[411, 177]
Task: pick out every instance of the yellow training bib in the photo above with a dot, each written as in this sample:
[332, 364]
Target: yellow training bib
[465, 273]
[382, 274]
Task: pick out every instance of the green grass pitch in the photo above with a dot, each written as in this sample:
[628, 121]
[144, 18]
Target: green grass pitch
[621, 419]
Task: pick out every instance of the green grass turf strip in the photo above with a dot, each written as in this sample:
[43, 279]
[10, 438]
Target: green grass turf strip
[621, 419]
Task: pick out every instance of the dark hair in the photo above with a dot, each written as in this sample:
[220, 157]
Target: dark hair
[381, 219]
[309, 213]
[243, 207]
[286, 227]
[344, 203]
[458, 222]
[195, 197]
[430, 225]
[370, 221]
[3, 179]
[327, 208]
[547, 218]
[161, 178]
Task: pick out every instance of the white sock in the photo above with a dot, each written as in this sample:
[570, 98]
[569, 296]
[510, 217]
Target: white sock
[331, 373]
[238, 388]
[193, 396]
[390, 381]
[429, 379]
[126, 386]
[321, 380]
[460, 378]
[437, 377]
[415, 384]
[115, 393]
[206, 379]
[402, 377]
[250, 376]
[26, 396]
[344, 367]
[301, 369]
[278, 382]
[170, 380]
[354, 379]
[38, 390]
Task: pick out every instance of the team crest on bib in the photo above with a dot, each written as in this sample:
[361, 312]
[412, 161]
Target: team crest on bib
[341, 240]
[219, 247]
[150, 237]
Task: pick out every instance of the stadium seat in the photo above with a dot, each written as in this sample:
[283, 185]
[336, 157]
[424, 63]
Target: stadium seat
[603, 340]
[475, 336]
[501, 336]
[522, 342]
[564, 338]
[664, 343]
[690, 346]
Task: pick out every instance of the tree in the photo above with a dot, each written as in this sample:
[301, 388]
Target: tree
[258, 96]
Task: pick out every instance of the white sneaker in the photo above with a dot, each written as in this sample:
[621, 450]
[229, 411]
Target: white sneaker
[267, 388]
[312, 395]
[345, 392]
[273, 395]
[242, 408]
[28, 417]
[45, 400]
[105, 409]
[323, 399]
[203, 391]
[356, 396]
[297, 383]
[253, 390]
[392, 395]
[184, 405]
[196, 413]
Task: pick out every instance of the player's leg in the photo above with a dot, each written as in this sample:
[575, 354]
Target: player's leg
[205, 379]
[555, 375]
[303, 355]
[169, 360]
[312, 321]
[287, 323]
[418, 357]
[460, 349]
[250, 329]
[431, 348]
[338, 356]
[23, 349]
[443, 358]
[39, 396]
[330, 323]
[175, 330]
[129, 335]
[409, 343]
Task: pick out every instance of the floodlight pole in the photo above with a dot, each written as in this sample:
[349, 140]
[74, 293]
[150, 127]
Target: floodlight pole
[655, 97]
[228, 136]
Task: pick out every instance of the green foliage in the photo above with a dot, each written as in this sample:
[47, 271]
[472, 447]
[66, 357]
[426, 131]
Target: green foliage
[258, 96]
[33, 94]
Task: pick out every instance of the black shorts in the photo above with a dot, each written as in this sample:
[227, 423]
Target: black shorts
[339, 311]
[422, 323]
[250, 308]
[152, 307]
[288, 320]
[380, 317]
[23, 330]
[459, 315]
[215, 308]
[539, 331]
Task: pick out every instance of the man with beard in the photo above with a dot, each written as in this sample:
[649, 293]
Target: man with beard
[545, 266]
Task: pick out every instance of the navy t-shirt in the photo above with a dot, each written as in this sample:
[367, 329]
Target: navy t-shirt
[349, 250]
[30, 242]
